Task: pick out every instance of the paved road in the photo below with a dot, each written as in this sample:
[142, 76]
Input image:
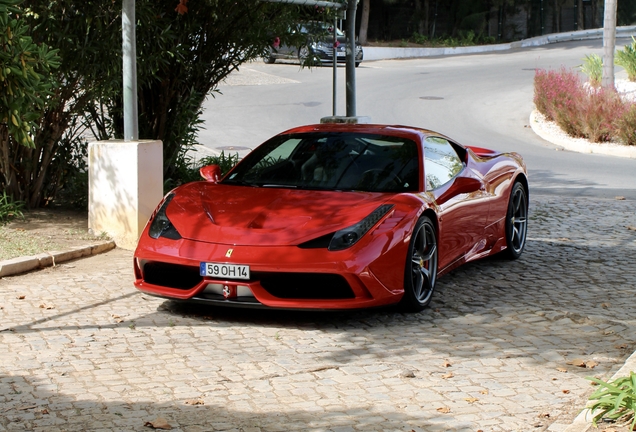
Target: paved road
[482, 99]
[81, 350]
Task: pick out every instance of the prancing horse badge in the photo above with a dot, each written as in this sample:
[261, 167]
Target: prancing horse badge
[229, 253]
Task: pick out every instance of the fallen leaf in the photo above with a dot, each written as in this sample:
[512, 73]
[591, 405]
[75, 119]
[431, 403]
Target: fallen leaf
[576, 362]
[631, 228]
[605, 305]
[44, 411]
[159, 423]
[620, 198]
[194, 402]
[590, 364]
[484, 392]
[444, 410]
[446, 364]
[554, 379]
[564, 370]
[566, 391]
[45, 306]
[117, 318]
[21, 297]
[448, 375]
[621, 346]
[471, 400]
[544, 415]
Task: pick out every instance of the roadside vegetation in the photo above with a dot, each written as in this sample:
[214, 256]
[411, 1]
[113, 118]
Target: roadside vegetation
[585, 109]
[61, 81]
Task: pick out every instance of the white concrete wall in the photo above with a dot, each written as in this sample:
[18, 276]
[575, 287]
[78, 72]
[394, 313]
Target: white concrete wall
[125, 180]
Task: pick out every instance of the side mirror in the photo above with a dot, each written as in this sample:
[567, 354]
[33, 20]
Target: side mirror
[211, 173]
[461, 185]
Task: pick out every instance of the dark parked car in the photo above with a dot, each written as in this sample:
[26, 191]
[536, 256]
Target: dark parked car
[317, 48]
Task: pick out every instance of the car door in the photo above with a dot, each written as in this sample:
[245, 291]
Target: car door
[461, 199]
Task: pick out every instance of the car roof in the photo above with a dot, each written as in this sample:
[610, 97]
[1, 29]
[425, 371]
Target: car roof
[410, 132]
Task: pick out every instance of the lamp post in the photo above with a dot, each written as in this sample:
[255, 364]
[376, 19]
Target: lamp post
[129, 67]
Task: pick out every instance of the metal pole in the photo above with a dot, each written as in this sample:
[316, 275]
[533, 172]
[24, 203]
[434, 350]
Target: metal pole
[351, 58]
[335, 63]
[129, 47]
[609, 43]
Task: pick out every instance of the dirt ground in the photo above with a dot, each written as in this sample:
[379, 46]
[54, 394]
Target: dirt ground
[44, 230]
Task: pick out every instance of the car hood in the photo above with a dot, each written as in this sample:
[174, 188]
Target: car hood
[242, 215]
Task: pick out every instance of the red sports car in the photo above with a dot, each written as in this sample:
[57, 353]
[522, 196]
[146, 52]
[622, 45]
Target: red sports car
[335, 216]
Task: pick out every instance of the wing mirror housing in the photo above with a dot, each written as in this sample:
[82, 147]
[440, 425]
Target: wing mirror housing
[211, 173]
[461, 185]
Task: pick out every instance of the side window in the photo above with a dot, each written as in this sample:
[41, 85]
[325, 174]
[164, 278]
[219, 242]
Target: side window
[441, 162]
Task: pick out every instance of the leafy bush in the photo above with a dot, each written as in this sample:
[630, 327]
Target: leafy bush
[625, 125]
[9, 208]
[598, 111]
[593, 67]
[615, 399]
[627, 59]
[598, 114]
[557, 95]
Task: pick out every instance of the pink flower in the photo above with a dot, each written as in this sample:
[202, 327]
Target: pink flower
[276, 43]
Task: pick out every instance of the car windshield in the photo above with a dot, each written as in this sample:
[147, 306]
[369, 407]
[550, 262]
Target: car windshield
[332, 161]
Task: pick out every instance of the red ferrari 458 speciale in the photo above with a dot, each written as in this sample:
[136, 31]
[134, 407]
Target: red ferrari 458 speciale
[335, 216]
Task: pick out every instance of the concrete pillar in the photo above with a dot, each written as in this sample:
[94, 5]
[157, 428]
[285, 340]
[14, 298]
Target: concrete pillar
[125, 184]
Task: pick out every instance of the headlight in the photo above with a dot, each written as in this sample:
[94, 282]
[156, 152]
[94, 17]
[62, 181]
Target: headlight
[349, 236]
[161, 225]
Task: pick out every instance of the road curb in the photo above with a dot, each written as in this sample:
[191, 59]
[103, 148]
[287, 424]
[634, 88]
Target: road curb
[387, 53]
[26, 264]
[580, 145]
[583, 421]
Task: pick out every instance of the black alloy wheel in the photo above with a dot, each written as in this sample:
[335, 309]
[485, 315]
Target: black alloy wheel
[517, 221]
[420, 273]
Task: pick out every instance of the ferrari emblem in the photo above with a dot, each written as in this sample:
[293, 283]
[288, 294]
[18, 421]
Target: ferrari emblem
[229, 253]
[226, 290]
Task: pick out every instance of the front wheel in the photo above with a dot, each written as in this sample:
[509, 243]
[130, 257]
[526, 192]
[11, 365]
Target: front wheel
[516, 221]
[420, 273]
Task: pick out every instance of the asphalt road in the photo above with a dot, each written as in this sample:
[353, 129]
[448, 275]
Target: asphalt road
[479, 99]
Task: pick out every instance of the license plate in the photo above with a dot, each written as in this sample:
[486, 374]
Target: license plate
[340, 54]
[226, 271]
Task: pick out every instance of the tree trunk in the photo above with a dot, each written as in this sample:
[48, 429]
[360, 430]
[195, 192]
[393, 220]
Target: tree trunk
[609, 43]
[364, 22]
[580, 18]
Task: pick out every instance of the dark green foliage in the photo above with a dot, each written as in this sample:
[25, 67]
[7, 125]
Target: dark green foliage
[25, 90]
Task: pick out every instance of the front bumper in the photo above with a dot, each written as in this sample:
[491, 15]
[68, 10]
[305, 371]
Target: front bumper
[281, 277]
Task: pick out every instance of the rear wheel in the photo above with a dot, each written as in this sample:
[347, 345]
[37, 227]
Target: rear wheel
[420, 273]
[269, 59]
[516, 221]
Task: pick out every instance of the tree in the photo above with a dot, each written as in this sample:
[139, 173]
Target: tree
[25, 84]
[609, 43]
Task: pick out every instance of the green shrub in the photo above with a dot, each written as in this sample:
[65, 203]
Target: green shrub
[627, 59]
[593, 67]
[9, 209]
[615, 399]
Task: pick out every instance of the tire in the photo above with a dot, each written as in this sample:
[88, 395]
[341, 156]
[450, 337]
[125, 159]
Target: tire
[516, 221]
[358, 64]
[269, 60]
[420, 272]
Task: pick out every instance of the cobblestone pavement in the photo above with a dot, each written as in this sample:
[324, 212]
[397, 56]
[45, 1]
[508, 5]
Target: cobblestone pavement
[81, 350]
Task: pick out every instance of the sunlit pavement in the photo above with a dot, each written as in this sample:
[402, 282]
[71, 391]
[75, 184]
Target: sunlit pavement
[82, 350]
